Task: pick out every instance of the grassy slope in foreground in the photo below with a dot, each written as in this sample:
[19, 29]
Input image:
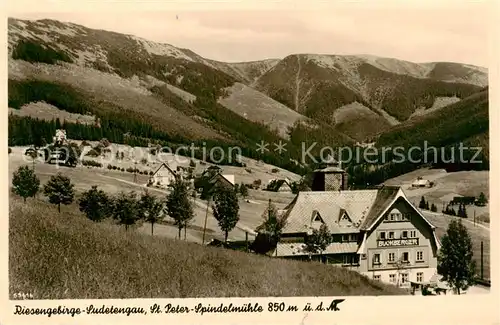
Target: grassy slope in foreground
[66, 256]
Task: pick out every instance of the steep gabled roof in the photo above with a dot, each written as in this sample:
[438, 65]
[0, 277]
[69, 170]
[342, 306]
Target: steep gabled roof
[357, 204]
[385, 196]
[229, 179]
[165, 165]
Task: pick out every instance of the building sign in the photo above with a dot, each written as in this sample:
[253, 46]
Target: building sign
[398, 242]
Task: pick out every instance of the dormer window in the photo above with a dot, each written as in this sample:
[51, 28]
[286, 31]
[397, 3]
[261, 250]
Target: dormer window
[345, 217]
[394, 216]
[316, 217]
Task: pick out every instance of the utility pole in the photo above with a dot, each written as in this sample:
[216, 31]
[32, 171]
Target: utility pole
[206, 217]
[135, 171]
[482, 260]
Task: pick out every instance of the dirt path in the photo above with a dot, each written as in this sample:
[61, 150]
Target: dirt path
[480, 225]
[297, 85]
[201, 204]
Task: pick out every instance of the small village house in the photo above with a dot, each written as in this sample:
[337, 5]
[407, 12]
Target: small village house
[377, 232]
[222, 180]
[421, 182]
[163, 176]
[279, 185]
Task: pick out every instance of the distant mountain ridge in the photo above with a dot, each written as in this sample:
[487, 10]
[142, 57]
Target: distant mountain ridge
[333, 99]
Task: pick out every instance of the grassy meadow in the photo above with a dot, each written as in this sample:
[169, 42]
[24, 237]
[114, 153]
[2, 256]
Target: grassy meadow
[66, 256]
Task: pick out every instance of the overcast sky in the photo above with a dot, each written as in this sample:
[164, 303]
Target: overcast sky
[413, 32]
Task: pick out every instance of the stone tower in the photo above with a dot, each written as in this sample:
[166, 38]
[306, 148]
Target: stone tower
[330, 178]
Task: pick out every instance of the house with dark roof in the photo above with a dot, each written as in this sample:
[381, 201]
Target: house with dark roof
[279, 185]
[377, 232]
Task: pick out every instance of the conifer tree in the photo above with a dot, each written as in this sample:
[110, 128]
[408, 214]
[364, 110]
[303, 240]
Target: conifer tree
[421, 205]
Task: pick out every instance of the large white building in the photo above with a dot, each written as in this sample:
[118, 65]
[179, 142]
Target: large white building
[377, 232]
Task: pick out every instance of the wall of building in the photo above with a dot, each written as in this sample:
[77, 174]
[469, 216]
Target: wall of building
[412, 274]
[425, 245]
[333, 181]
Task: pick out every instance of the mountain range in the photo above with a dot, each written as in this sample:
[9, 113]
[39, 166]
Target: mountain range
[332, 99]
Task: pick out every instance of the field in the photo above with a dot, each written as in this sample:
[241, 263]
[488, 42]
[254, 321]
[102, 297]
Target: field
[479, 233]
[66, 256]
[113, 182]
[446, 186]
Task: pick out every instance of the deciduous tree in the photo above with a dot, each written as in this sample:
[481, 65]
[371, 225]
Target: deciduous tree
[59, 190]
[150, 209]
[25, 183]
[226, 209]
[125, 209]
[455, 262]
[178, 206]
[95, 204]
[318, 241]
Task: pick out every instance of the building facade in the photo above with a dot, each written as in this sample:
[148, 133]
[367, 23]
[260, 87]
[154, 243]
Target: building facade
[377, 232]
[163, 176]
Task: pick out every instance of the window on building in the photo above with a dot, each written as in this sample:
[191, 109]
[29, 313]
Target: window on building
[404, 278]
[317, 217]
[413, 234]
[420, 256]
[404, 257]
[376, 259]
[376, 277]
[404, 234]
[420, 276]
[381, 235]
[391, 234]
[406, 216]
[345, 238]
[353, 237]
[391, 258]
[346, 259]
[392, 278]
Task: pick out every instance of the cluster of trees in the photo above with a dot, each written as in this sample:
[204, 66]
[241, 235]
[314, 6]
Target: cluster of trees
[127, 208]
[424, 205]
[34, 52]
[462, 212]
[58, 189]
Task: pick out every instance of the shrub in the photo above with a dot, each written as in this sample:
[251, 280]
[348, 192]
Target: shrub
[10, 150]
[275, 170]
[144, 161]
[248, 170]
[153, 152]
[130, 170]
[91, 163]
[151, 173]
[114, 167]
[122, 169]
[110, 167]
[85, 143]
